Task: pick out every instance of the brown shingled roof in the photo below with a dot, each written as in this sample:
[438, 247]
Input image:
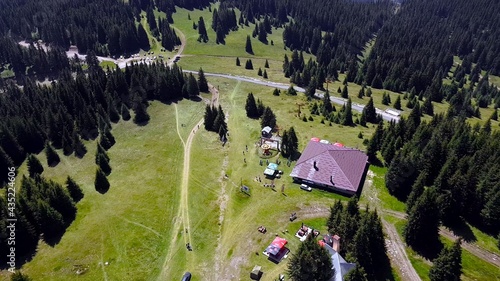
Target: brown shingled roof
[325, 164]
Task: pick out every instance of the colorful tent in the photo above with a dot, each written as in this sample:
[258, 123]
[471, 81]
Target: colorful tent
[338, 144]
[276, 246]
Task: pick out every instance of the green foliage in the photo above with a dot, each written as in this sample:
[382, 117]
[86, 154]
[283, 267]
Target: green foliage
[202, 31]
[357, 274]
[422, 229]
[202, 81]
[397, 103]
[448, 265]
[427, 107]
[103, 164]
[34, 166]
[101, 183]
[276, 92]
[345, 92]
[251, 107]
[310, 263]
[291, 91]
[18, 276]
[51, 155]
[125, 112]
[248, 45]
[268, 118]
[370, 112]
[289, 144]
[74, 190]
[347, 114]
[141, 116]
[248, 64]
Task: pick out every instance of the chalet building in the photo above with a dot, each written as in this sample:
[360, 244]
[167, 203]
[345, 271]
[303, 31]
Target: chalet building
[331, 166]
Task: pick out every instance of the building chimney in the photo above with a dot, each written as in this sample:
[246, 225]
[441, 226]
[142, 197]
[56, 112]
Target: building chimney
[336, 243]
[315, 166]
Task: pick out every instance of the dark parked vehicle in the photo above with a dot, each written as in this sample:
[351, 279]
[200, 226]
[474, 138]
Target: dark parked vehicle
[186, 277]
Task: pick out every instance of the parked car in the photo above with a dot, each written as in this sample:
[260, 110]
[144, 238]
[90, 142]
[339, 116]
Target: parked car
[305, 187]
[186, 277]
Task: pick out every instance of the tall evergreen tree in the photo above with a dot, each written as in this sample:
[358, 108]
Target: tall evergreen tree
[51, 155]
[141, 114]
[101, 183]
[102, 162]
[311, 262]
[448, 265]
[251, 107]
[209, 118]
[202, 81]
[75, 191]
[370, 112]
[34, 166]
[427, 107]
[347, 114]
[125, 112]
[422, 229]
[345, 92]
[268, 118]
[238, 61]
[202, 31]
[357, 274]
[397, 103]
[248, 64]
[143, 38]
[248, 46]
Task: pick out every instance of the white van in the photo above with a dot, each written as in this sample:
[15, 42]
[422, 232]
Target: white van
[305, 187]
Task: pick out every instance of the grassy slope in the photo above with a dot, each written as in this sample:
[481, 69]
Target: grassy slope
[128, 226]
[265, 207]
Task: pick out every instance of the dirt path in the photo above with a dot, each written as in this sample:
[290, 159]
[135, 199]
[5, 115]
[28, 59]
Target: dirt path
[397, 253]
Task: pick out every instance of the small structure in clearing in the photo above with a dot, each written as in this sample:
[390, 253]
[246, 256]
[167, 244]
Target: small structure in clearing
[276, 251]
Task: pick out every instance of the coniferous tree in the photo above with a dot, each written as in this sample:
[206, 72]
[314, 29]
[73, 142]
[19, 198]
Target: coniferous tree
[264, 75]
[397, 103]
[347, 114]
[209, 118]
[51, 155]
[101, 183]
[370, 112]
[35, 168]
[369, 92]
[220, 125]
[422, 229]
[125, 112]
[192, 86]
[141, 114]
[251, 107]
[238, 61]
[248, 46]
[494, 115]
[259, 72]
[357, 274]
[268, 118]
[345, 92]
[361, 92]
[202, 31]
[448, 265]
[202, 82]
[248, 64]
[74, 189]
[291, 91]
[102, 162]
[142, 37]
[427, 107]
[311, 262]
[266, 64]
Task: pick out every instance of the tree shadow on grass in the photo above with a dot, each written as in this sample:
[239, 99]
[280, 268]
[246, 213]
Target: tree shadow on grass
[463, 230]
